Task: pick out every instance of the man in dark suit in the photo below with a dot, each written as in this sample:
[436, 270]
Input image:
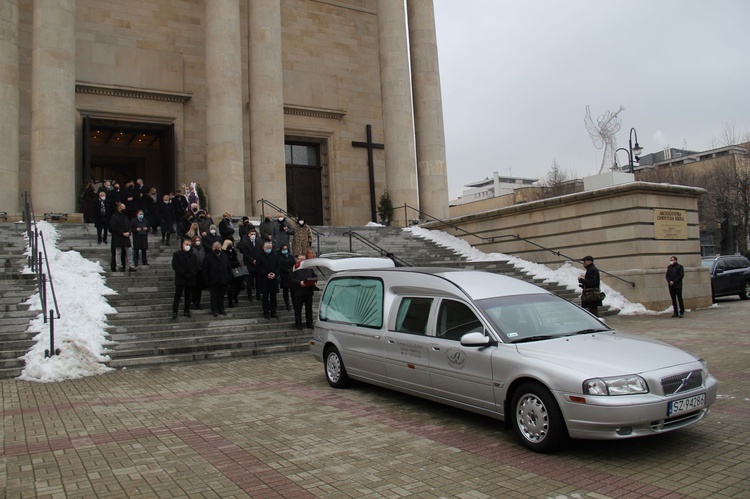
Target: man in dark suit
[119, 226]
[217, 274]
[251, 246]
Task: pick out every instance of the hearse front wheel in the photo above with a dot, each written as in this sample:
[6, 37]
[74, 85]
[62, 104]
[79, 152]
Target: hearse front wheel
[537, 419]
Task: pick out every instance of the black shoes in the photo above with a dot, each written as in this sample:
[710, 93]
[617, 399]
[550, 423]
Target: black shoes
[274, 316]
[132, 269]
[174, 315]
[187, 313]
[216, 314]
[299, 326]
[266, 315]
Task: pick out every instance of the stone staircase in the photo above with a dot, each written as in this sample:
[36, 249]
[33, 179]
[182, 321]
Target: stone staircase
[143, 330]
[15, 288]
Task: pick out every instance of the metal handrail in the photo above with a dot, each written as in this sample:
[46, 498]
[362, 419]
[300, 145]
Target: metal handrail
[38, 259]
[263, 202]
[374, 246]
[514, 236]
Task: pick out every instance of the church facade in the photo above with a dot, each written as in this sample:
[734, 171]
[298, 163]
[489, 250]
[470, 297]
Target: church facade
[315, 106]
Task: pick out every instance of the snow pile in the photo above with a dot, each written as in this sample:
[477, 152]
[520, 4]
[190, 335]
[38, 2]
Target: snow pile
[80, 332]
[566, 275]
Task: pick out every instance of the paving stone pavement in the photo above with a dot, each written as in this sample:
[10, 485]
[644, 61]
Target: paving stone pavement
[272, 427]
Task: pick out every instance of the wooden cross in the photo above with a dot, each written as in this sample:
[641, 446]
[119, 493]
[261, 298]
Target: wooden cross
[370, 145]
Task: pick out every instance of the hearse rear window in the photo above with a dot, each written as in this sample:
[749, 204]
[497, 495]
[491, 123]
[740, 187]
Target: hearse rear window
[353, 300]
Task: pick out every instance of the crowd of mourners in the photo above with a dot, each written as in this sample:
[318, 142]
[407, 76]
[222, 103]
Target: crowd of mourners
[223, 259]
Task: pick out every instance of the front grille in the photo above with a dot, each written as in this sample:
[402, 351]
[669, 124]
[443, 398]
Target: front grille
[690, 380]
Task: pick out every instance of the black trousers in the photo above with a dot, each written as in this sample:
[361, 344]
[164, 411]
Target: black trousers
[676, 294]
[269, 303]
[101, 234]
[217, 298]
[299, 302]
[178, 289]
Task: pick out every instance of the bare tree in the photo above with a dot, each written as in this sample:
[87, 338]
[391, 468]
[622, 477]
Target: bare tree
[557, 182]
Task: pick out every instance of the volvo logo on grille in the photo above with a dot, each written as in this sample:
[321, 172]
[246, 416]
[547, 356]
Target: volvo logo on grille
[684, 382]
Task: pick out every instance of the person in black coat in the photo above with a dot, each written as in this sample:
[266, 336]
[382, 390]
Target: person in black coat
[102, 214]
[151, 204]
[119, 226]
[251, 246]
[179, 205]
[166, 217]
[140, 228]
[131, 199]
[286, 264]
[200, 285]
[303, 283]
[267, 266]
[89, 198]
[233, 291]
[217, 274]
[185, 266]
[590, 280]
[226, 229]
[675, 274]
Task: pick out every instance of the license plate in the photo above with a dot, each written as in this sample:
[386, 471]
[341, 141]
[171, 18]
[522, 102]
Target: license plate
[686, 405]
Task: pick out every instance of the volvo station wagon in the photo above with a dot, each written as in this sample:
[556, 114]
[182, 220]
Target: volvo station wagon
[505, 348]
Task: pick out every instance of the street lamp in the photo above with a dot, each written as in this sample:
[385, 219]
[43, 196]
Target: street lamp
[630, 161]
[635, 151]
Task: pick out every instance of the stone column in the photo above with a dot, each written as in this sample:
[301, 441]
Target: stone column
[224, 150]
[9, 111]
[428, 109]
[400, 156]
[267, 160]
[53, 66]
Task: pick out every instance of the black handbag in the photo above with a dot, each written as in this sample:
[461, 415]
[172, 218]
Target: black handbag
[240, 272]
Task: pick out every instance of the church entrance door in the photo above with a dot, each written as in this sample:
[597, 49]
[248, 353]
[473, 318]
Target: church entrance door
[303, 182]
[123, 150]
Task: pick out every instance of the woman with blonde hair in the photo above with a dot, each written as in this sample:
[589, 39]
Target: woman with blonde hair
[233, 292]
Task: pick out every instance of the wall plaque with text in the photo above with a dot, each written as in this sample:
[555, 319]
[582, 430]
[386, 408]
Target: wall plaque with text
[670, 224]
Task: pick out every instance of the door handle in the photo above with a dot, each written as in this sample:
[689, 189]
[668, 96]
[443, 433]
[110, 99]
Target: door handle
[435, 347]
[391, 342]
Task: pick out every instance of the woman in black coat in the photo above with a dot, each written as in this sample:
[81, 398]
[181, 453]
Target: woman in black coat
[268, 268]
[185, 266]
[233, 292]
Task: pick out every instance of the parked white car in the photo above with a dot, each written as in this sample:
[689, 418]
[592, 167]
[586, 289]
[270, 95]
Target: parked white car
[505, 348]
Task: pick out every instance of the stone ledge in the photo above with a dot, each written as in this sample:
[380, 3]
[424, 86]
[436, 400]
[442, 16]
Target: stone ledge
[132, 93]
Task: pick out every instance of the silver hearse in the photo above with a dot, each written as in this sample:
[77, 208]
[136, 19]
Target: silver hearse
[504, 348]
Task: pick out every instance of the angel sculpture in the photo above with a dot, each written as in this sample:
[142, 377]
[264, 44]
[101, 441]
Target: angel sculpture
[603, 134]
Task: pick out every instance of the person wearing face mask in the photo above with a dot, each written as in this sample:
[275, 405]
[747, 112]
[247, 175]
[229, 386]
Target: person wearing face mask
[102, 214]
[204, 223]
[119, 228]
[211, 236]
[217, 274]
[286, 264]
[303, 238]
[200, 284]
[140, 228]
[185, 266]
[265, 228]
[675, 274]
[268, 268]
[245, 227]
[166, 214]
[282, 231]
[250, 247]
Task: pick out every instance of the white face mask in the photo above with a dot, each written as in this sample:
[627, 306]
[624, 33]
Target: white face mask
[280, 219]
[186, 247]
[213, 232]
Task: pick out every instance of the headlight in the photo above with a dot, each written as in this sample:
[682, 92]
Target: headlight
[620, 385]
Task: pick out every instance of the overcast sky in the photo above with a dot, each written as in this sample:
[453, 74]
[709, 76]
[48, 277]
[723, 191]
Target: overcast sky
[517, 76]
